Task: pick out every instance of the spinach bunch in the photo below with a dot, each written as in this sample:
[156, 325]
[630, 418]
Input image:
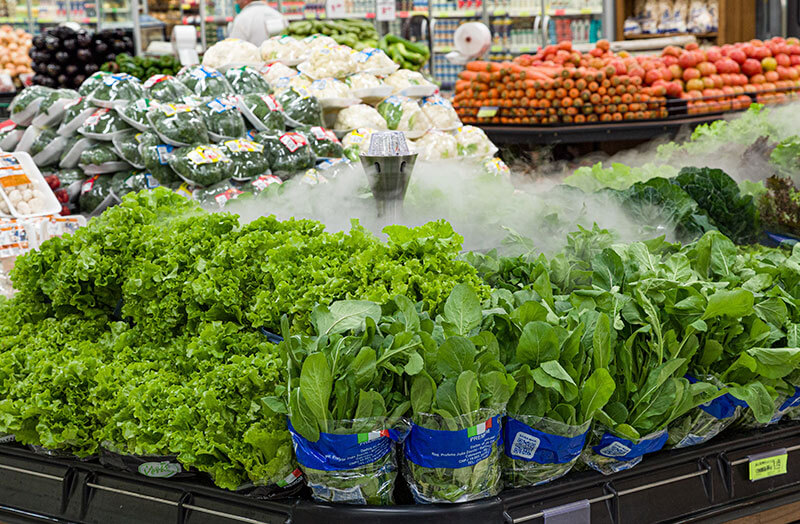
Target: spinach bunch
[348, 378]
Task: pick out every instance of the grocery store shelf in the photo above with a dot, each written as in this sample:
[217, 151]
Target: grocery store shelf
[466, 13]
[632, 36]
[710, 481]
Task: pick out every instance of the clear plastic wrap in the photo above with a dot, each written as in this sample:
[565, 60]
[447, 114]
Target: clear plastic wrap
[92, 83]
[47, 147]
[178, 124]
[25, 105]
[127, 147]
[294, 80]
[410, 83]
[260, 184]
[300, 107]
[154, 466]
[126, 182]
[156, 160]
[454, 459]
[283, 48]
[323, 141]
[272, 72]
[203, 165]
[264, 112]
[440, 112]
[103, 124]
[96, 194]
[608, 453]
[135, 113]
[52, 108]
[539, 450]
[245, 80]
[704, 422]
[436, 145]
[375, 61]
[329, 62]
[249, 159]
[288, 153]
[102, 158]
[354, 463]
[784, 403]
[356, 142]
[231, 51]
[331, 92]
[75, 113]
[496, 167]
[359, 116]
[116, 89]
[216, 196]
[165, 88]
[473, 143]
[404, 114]
[223, 118]
[205, 81]
[10, 135]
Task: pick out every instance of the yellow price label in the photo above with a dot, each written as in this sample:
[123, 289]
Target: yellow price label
[586, 11]
[469, 13]
[499, 12]
[524, 49]
[487, 112]
[524, 13]
[496, 48]
[310, 16]
[762, 468]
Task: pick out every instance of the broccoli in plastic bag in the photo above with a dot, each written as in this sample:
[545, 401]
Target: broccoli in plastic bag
[205, 81]
[264, 112]
[166, 88]
[323, 141]
[249, 159]
[222, 118]
[92, 83]
[288, 153]
[75, 113]
[100, 154]
[96, 194]
[103, 124]
[217, 195]
[73, 150]
[178, 124]
[155, 157]
[246, 80]
[52, 108]
[203, 165]
[300, 107]
[126, 182]
[127, 146]
[71, 180]
[26, 104]
[261, 183]
[116, 89]
[41, 141]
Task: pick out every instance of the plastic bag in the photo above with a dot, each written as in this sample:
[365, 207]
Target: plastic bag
[784, 403]
[356, 142]
[473, 142]
[155, 466]
[117, 89]
[455, 459]
[288, 153]
[403, 79]
[283, 48]
[52, 108]
[203, 165]
[47, 147]
[360, 116]
[73, 150]
[330, 62]
[329, 88]
[223, 118]
[100, 159]
[264, 112]
[609, 453]
[300, 108]
[103, 124]
[205, 81]
[96, 195]
[375, 61]
[246, 80]
[165, 88]
[323, 142]
[318, 41]
[231, 51]
[178, 124]
[272, 72]
[75, 113]
[92, 83]
[135, 113]
[127, 147]
[354, 463]
[71, 181]
[126, 182]
[539, 450]
[700, 18]
[294, 80]
[156, 160]
[404, 114]
[248, 158]
[216, 196]
[10, 135]
[25, 105]
[436, 145]
[496, 167]
[704, 422]
[259, 184]
[440, 112]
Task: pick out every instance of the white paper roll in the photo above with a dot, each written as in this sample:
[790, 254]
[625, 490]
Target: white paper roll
[184, 41]
[472, 39]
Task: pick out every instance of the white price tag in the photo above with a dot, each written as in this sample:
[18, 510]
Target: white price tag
[385, 10]
[335, 9]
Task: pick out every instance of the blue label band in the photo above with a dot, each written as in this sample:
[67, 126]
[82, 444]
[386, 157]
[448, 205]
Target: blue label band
[612, 446]
[431, 448]
[341, 452]
[721, 407]
[792, 401]
[523, 442]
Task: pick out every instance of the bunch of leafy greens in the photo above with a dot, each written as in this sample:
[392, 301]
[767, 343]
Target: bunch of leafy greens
[779, 208]
[617, 176]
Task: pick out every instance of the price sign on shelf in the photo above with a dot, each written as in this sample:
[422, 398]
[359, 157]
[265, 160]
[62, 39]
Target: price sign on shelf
[335, 9]
[385, 10]
[768, 464]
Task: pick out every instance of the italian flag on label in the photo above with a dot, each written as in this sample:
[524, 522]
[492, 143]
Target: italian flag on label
[372, 435]
[480, 429]
[293, 476]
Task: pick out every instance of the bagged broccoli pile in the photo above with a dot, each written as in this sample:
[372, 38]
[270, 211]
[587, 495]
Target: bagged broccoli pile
[155, 156]
[203, 165]
[300, 108]
[126, 182]
[205, 81]
[75, 113]
[52, 108]
[246, 80]
[249, 159]
[264, 112]
[100, 159]
[323, 142]
[10, 135]
[103, 124]
[216, 196]
[178, 124]
[116, 89]
[96, 195]
[165, 88]
[71, 154]
[289, 153]
[222, 118]
[25, 105]
[127, 147]
[92, 83]
[135, 113]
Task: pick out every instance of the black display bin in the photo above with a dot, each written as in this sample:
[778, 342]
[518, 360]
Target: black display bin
[707, 483]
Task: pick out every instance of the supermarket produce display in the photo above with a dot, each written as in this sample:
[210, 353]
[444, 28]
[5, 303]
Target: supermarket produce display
[247, 315]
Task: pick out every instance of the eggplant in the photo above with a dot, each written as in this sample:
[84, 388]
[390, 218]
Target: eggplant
[91, 68]
[51, 43]
[119, 46]
[53, 70]
[111, 57]
[101, 48]
[62, 57]
[70, 44]
[63, 80]
[38, 41]
[84, 55]
[77, 80]
[72, 69]
[84, 39]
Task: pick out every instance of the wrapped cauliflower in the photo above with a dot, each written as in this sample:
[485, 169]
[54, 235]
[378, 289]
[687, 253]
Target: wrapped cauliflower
[317, 41]
[360, 115]
[410, 83]
[356, 142]
[283, 49]
[272, 72]
[296, 81]
[367, 86]
[473, 142]
[331, 92]
[440, 112]
[436, 145]
[374, 61]
[496, 167]
[336, 62]
[404, 114]
[231, 51]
